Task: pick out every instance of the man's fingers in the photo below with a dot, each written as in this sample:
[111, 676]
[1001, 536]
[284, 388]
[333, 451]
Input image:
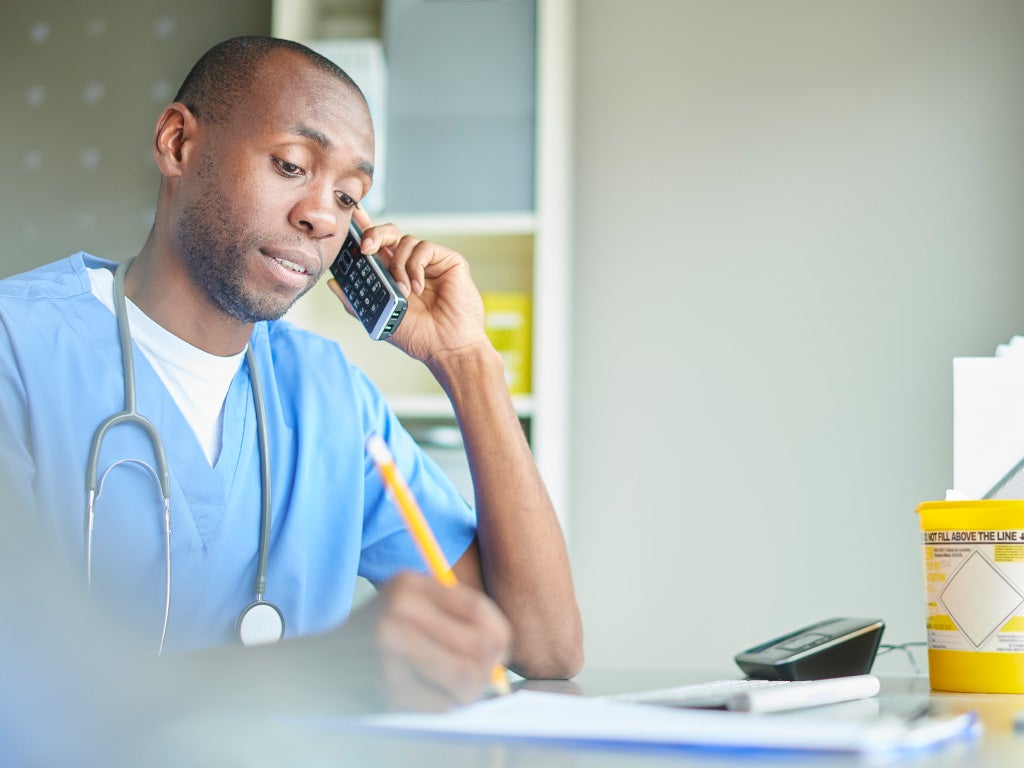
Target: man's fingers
[460, 621]
[362, 219]
[451, 637]
[381, 237]
[400, 264]
[408, 689]
[408, 258]
[428, 260]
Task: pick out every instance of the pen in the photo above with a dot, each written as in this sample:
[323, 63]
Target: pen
[420, 531]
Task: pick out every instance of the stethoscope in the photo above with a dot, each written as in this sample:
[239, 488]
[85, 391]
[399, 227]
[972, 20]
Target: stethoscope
[259, 622]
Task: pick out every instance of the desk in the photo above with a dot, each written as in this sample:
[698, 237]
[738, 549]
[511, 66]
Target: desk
[285, 743]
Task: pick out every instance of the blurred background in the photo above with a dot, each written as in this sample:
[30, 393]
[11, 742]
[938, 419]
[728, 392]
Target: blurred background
[737, 242]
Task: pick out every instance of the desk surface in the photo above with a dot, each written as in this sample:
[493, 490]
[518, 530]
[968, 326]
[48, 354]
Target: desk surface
[284, 744]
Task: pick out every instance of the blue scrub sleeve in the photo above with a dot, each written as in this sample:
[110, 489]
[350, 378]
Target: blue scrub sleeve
[387, 546]
[17, 468]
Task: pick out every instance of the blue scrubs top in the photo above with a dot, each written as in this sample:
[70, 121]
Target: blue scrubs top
[60, 376]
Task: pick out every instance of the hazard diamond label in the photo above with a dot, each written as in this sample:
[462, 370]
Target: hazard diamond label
[979, 598]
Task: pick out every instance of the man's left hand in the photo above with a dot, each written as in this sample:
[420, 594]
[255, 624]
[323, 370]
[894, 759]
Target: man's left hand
[445, 314]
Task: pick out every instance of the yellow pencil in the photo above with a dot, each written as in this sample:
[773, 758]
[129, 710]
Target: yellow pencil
[420, 531]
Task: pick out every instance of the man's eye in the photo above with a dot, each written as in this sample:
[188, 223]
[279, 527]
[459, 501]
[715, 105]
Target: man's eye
[345, 200]
[290, 169]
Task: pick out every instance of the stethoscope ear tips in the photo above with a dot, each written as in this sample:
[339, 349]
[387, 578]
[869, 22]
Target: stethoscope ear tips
[260, 623]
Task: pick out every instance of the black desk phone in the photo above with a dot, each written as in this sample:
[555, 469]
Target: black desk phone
[832, 648]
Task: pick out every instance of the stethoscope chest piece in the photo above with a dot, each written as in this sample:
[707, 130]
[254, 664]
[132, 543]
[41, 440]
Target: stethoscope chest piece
[260, 623]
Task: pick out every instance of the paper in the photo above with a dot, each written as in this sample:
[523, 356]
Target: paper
[988, 419]
[541, 716]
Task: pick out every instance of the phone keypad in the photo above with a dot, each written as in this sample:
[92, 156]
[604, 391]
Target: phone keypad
[365, 290]
[366, 293]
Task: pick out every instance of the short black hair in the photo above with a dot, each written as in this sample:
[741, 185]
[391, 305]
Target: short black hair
[226, 72]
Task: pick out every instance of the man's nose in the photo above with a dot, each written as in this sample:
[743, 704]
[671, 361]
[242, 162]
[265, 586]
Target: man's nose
[317, 213]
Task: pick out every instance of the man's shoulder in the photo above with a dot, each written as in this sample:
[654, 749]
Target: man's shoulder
[298, 349]
[300, 353]
[60, 279]
[285, 335]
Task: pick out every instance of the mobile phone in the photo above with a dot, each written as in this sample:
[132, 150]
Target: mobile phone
[369, 287]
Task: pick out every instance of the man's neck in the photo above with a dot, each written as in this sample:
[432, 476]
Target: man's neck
[162, 289]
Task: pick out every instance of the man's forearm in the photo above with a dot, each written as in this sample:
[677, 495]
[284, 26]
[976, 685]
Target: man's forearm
[524, 562]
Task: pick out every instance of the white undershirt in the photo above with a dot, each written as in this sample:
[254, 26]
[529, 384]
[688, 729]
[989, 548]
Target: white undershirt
[197, 380]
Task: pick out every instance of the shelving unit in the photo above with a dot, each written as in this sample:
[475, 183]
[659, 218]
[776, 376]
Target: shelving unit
[521, 250]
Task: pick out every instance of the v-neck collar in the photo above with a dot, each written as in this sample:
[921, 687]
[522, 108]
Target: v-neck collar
[207, 489]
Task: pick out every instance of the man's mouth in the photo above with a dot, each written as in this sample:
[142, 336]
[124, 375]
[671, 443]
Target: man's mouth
[290, 265]
[293, 266]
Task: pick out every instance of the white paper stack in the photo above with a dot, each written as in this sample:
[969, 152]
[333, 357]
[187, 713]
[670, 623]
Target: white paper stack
[596, 722]
[988, 418]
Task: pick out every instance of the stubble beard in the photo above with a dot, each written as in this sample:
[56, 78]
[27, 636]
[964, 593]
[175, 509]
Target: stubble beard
[215, 249]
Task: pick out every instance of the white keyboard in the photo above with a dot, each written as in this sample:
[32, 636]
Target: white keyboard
[758, 695]
[704, 695]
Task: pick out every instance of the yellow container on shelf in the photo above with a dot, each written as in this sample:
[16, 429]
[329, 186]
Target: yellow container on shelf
[974, 576]
[507, 323]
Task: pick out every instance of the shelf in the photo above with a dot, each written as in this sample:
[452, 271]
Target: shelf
[478, 158]
[511, 223]
[438, 406]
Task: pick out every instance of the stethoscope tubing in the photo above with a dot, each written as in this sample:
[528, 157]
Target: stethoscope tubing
[161, 474]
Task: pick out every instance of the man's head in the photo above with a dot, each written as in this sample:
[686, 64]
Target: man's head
[265, 152]
[224, 74]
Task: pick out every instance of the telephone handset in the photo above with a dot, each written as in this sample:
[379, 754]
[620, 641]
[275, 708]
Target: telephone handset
[369, 287]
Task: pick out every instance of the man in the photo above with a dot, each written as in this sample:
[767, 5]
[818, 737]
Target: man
[264, 155]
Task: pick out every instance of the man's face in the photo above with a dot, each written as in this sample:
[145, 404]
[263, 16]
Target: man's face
[266, 205]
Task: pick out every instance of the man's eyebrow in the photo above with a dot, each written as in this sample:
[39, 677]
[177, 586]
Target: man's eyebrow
[327, 145]
[312, 133]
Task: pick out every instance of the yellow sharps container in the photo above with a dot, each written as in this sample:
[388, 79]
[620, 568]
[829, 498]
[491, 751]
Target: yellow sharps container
[974, 575]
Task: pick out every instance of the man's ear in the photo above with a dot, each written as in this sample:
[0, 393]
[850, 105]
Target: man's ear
[174, 139]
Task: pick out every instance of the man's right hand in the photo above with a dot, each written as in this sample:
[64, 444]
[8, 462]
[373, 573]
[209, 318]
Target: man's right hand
[418, 645]
[425, 646]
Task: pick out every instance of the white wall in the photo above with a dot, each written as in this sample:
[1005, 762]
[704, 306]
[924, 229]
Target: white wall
[790, 216]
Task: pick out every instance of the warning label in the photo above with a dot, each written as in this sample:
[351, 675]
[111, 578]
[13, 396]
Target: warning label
[975, 587]
[1005, 554]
